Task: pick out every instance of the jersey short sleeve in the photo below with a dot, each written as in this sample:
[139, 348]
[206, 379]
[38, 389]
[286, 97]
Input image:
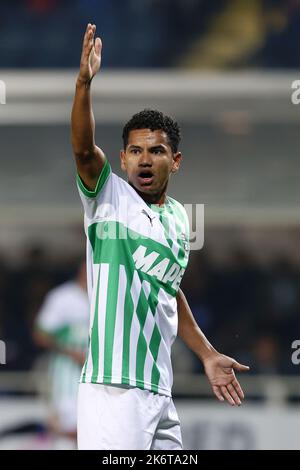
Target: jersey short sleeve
[92, 199]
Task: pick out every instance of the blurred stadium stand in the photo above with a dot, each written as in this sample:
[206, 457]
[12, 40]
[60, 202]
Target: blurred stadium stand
[153, 33]
[240, 159]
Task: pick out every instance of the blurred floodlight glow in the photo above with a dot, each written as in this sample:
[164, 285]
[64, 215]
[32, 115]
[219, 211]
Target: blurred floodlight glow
[2, 92]
[2, 353]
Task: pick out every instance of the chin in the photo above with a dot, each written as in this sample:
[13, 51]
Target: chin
[149, 190]
[143, 189]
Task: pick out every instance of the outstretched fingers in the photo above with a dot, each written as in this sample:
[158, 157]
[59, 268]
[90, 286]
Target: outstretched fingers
[88, 41]
[240, 367]
[86, 35]
[234, 395]
[98, 46]
[217, 392]
[238, 389]
[227, 395]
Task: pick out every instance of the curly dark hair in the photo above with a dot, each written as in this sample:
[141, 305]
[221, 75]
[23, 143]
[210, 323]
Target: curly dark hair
[153, 120]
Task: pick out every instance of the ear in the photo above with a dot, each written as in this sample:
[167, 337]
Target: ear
[177, 157]
[123, 160]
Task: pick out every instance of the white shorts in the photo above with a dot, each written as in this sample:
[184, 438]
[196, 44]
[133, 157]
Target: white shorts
[65, 413]
[115, 418]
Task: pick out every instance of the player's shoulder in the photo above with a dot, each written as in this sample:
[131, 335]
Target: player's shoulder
[177, 206]
[179, 212]
[174, 201]
[63, 290]
[122, 189]
[109, 183]
[109, 177]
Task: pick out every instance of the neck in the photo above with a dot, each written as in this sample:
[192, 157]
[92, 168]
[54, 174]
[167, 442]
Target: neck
[158, 198]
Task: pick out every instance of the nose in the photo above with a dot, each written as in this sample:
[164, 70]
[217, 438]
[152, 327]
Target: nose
[145, 159]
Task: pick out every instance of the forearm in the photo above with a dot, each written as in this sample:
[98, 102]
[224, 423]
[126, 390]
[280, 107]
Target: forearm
[189, 331]
[82, 120]
[48, 342]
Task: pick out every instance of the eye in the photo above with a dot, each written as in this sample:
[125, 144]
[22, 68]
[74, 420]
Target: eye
[157, 151]
[135, 151]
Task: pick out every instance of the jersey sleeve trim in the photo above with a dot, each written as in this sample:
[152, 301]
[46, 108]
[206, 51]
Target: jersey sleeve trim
[105, 172]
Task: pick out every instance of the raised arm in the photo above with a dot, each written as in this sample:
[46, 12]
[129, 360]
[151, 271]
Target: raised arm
[89, 158]
[218, 367]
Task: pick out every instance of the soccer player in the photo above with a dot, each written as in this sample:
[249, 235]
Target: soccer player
[137, 252]
[62, 328]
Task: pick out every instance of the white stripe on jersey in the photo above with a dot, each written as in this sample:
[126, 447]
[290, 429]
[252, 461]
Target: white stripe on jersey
[136, 288]
[167, 323]
[135, 327]
[148, 330]
[103, 289]
[89, 368]
[117, 358]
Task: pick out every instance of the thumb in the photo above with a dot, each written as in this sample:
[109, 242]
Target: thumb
[240, 367]
[98, 46]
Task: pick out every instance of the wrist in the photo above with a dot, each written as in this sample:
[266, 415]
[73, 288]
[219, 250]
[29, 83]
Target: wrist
[207, 353]
[83, 82]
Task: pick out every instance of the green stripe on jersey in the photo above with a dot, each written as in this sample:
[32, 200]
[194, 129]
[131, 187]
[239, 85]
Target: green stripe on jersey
[128, 315]
[154, 348]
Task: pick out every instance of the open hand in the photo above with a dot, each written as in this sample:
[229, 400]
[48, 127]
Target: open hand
[91, 55]
[220, 373]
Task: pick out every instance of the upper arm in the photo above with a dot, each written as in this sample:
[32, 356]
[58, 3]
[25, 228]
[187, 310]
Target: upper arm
[89, 167]
[51, 316]
[179, 295]
[180, 303]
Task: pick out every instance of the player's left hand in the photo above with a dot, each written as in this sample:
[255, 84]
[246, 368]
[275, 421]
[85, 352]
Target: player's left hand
[220, 373]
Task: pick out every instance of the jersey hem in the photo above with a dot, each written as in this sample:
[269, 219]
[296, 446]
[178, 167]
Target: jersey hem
[126, 381]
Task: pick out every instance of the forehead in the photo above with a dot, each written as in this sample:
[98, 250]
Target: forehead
[141, 137]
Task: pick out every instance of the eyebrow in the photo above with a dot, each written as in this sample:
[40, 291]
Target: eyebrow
[154, 147]
[158, 147]
[134, 147]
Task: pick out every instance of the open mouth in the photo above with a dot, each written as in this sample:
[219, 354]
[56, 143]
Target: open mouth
[146, 177]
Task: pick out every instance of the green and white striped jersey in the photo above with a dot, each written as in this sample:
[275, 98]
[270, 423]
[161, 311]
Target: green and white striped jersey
[136, 256]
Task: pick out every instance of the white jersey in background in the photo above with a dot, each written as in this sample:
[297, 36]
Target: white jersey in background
[65, 315]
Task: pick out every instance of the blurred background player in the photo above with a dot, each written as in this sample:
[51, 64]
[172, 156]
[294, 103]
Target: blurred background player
[62, 329]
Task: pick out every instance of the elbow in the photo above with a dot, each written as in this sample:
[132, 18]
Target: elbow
[38, 338]
[84, 155]
[83, 149]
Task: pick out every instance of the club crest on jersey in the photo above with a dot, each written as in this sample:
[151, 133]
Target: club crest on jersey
[184, 241]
